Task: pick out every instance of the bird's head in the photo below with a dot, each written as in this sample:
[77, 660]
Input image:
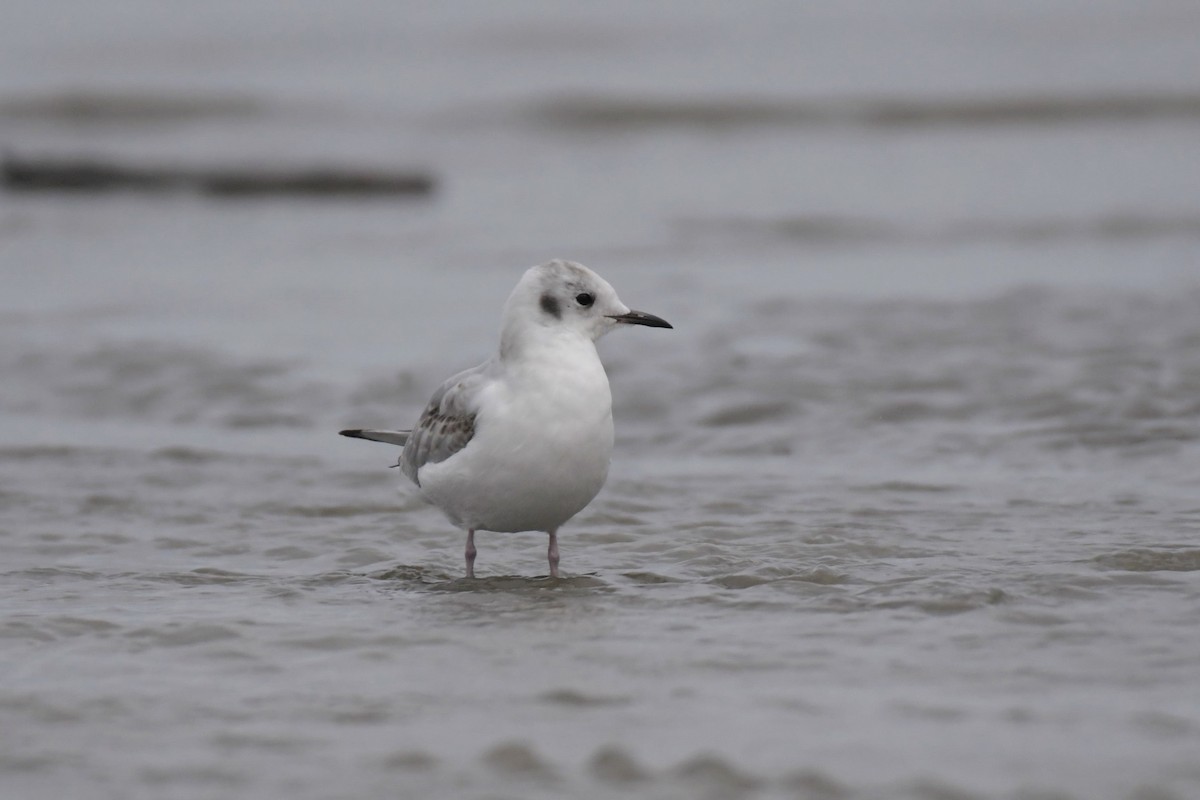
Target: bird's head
[564, 296]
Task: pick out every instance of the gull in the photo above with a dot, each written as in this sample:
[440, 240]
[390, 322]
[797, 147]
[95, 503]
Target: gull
[522, 442]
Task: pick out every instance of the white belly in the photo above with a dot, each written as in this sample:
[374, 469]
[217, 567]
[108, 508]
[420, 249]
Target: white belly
[536, 460]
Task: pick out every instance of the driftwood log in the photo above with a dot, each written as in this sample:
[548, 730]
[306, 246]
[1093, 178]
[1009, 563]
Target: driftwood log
[96, 175]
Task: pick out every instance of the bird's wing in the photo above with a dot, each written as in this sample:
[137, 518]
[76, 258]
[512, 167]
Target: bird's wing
[448, 422]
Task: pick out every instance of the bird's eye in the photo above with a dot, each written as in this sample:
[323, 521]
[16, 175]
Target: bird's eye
[584, 299]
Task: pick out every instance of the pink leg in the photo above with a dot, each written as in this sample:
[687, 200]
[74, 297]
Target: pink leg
[470, 553]
[552, 554]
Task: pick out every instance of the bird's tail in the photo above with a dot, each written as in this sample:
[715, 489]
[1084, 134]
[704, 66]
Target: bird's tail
[387, 437]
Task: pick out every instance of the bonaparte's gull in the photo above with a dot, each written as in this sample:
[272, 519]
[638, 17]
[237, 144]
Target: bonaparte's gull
[522, 441]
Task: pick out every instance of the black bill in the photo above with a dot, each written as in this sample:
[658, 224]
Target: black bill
[642, 318]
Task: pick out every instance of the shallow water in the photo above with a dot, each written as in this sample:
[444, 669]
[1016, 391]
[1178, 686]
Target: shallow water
[906, 506]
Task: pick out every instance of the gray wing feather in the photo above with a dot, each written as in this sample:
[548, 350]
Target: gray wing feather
[447, 424]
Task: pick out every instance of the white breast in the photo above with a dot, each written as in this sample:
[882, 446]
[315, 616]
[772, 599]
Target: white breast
[541, 450]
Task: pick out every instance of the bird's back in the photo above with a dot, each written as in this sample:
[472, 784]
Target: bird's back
[447, 424]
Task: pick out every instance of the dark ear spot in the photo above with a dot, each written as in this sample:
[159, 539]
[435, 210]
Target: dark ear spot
[550, 305]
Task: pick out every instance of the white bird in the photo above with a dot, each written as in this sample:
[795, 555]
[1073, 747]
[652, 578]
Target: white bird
[522, 442]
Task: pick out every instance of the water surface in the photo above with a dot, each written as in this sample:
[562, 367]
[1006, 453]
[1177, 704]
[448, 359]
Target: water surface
[905, 506]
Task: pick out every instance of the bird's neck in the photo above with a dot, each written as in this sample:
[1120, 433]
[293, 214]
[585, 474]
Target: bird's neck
[520, 343]
[560, 374]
